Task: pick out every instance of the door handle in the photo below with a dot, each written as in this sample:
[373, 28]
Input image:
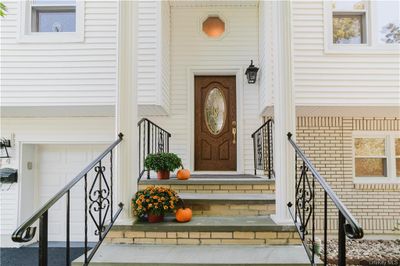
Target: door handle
[234, 132]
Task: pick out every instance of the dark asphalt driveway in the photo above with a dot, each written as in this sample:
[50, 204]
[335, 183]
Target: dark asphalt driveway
[28, 256]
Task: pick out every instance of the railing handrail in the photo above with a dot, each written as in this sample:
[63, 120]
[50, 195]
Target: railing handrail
[154, 124]
[17, 236]
[263, 125]
[356, 230]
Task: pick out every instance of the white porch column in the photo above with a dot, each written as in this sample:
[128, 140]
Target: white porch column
[284, 111]
[126, 109]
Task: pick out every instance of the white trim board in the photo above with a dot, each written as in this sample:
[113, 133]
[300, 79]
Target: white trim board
[217, 71]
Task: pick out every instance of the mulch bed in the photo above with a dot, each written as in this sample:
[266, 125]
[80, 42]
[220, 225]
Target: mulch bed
[366, 252]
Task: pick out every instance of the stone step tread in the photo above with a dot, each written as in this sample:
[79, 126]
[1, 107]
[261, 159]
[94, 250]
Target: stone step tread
[229, 197]
[211, 180]
[211, 224]
[211, 255]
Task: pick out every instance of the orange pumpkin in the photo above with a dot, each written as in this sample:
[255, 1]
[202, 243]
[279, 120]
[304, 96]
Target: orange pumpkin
[183, 174]
[183, 215]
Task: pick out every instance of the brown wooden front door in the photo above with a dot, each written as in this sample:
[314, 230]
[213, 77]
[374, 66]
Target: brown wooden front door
[215, 123]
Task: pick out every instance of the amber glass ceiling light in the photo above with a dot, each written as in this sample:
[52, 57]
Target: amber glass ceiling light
[214, 27]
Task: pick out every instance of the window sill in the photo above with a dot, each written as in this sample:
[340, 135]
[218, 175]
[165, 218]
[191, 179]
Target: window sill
[377, 184]
[51, 37]
[362, 49]
[377, 187]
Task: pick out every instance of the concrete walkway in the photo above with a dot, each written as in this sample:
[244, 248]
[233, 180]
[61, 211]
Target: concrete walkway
[171, 255]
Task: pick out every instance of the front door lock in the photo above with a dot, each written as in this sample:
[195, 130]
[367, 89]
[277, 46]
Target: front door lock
[234, 132]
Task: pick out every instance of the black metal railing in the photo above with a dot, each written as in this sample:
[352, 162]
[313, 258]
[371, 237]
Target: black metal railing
[263, 149]
[305, 209]
[98, 205]
[152, 139]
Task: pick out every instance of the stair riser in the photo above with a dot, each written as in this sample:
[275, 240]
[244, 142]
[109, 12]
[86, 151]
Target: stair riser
[231, 209]
[232, 188]
[203, 238]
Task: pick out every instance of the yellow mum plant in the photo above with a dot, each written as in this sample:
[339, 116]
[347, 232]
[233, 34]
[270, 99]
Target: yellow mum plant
[154, 200]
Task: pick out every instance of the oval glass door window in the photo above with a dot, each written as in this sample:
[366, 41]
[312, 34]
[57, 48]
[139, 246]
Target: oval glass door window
[215, 111]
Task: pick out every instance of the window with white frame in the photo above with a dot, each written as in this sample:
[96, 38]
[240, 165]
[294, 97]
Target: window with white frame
[53, 16]
[361, 25]
[377, 157]
[387, 17]
[52, 20]
[349, 22]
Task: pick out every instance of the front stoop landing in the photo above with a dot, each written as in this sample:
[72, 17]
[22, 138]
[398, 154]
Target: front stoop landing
[224, 230]
[220, 255]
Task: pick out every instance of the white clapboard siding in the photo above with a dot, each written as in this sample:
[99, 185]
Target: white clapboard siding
[322, 79]
[54, 74]
[153, 74]
[191, 49]
[266, 51]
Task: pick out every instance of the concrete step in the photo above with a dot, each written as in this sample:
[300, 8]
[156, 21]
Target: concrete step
[222, 255]
[203, 230]
[232, 204]
[215, 184]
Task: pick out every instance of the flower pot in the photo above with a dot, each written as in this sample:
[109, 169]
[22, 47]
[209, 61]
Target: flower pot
[163, 174]
[152, 218]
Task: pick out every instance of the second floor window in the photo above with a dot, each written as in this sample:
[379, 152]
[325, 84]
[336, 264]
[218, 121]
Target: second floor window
[362, 25]
[387, 15]
[349, 22]
[51, 21]
[53, 16]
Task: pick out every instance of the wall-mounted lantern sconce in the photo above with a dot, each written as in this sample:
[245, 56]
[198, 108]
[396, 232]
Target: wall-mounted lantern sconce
[251, 73]
[4, 144]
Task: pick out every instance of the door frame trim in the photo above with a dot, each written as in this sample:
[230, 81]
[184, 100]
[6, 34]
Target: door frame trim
[192, 72]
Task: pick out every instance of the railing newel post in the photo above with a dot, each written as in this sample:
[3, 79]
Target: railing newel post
[269, 151]
[254, 155]
[325, 228]
[86, 220]
[341, 240]
[43, 239]
[111, 185]
[67, 253]
[148, 146]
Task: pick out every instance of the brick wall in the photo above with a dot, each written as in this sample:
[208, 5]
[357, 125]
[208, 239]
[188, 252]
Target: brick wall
[327, 141]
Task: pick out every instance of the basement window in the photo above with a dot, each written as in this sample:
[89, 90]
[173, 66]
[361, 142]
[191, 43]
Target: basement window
[52, 21]
[370, 157]
[376, 157]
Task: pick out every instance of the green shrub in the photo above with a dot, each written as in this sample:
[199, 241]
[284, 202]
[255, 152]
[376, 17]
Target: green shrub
[163, 162]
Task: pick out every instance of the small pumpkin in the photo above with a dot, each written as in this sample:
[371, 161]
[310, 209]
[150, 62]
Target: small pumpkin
[183, 174]
[183, 214]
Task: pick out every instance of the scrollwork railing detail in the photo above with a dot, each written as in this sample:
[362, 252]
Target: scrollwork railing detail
[306, 177]
[98, 204]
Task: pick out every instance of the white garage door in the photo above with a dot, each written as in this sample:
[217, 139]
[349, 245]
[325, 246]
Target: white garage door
[57, 165]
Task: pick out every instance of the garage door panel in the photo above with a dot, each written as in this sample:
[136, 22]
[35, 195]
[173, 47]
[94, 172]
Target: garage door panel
[58, 165]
